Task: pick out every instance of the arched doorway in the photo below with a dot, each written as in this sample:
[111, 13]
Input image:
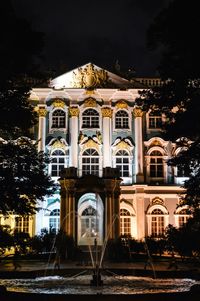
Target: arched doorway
[90, 219]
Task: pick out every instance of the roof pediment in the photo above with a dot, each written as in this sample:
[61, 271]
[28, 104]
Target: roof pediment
[89, 76]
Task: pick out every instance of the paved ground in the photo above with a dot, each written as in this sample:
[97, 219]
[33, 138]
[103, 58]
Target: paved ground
[34, 265]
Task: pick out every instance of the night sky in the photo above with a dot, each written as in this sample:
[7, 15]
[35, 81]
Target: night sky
[98, 31]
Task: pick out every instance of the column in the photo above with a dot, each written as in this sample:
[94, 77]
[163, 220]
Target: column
[139, 162]
[106, 129]
[116, 209]
[42, 127]
[73, 157]
[140, 213]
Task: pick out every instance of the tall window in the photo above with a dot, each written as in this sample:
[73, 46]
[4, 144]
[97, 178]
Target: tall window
[125, 222]
[58, 119]
[155, 120]
[90, 119]
[22, 224]
[121, 120]
[156, 165]
[57, 163]
[54, 220]
[122, 163]
[89, 222]
[183, 217]
[90, 162]
[157, 223]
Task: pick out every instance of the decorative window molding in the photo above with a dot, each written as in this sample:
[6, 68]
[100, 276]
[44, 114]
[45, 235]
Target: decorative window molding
[59, 154]
[90, 162]
[181, 216]
[57, 120]
[157, 220]
[154, 120]
[123, 158]
[90, 119]
[122, 120]
[127, 219]
[156, 166]
[22, 224]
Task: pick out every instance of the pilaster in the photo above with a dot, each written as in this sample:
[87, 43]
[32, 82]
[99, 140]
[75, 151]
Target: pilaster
[106, 128]
[73, 158]
[139, 161]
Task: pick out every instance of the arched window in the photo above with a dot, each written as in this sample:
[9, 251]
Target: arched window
[125, 222]
[183, 217]
[57, 162]
[89, 222]
[22, 224]
[155, 120]
[156, 165]
[90, 119]
[121, 120]
[54, 220]
[58, 119]
[90, 162]
[122, 163]
[157, 223]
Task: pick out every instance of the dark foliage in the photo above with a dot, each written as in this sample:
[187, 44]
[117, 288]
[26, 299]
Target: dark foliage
[23, 178]
[175, 31]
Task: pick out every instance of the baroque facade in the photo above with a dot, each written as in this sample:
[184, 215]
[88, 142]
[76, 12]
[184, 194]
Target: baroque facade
[109, 158]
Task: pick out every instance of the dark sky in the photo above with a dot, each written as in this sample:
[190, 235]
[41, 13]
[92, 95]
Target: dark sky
[98, 31]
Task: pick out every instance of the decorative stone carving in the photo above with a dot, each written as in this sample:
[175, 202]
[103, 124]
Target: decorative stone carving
[106, 112]
[90, 102]
[57, 103]
[122, 145]
[42, 112]
[157, 201]
[121, 104]
[58, 144]
[90, 144]
[73, 111]
[89, 77]
[137, 112]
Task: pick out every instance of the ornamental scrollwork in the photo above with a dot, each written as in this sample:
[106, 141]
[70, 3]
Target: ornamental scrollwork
[73, 111]
[106, 112]
[57, 103]
[137, 112]
[88, 77]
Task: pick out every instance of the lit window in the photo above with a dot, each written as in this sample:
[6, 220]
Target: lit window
[156, 165]
[90, 162]
[155, 120]
[122, 163]
[89, 223]
[157, 223]
[58, 119]
[125, 222]
[22, 224]
[183, 217]
[57, 162]
[121, 120]
[90, 119]
[54, 220]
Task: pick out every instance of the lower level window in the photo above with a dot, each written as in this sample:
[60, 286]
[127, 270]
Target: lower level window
[54, 220]
[125, 222]
[157, 223]
[90, 162]
[22, 224]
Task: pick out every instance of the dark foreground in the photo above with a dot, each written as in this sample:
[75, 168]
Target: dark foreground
[189, 296]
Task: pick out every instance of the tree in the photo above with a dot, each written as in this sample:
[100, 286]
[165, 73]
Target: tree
[6, 239]
[23, 176]
[175, 31]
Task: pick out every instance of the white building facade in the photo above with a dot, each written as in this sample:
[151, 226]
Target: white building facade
[89, 123]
